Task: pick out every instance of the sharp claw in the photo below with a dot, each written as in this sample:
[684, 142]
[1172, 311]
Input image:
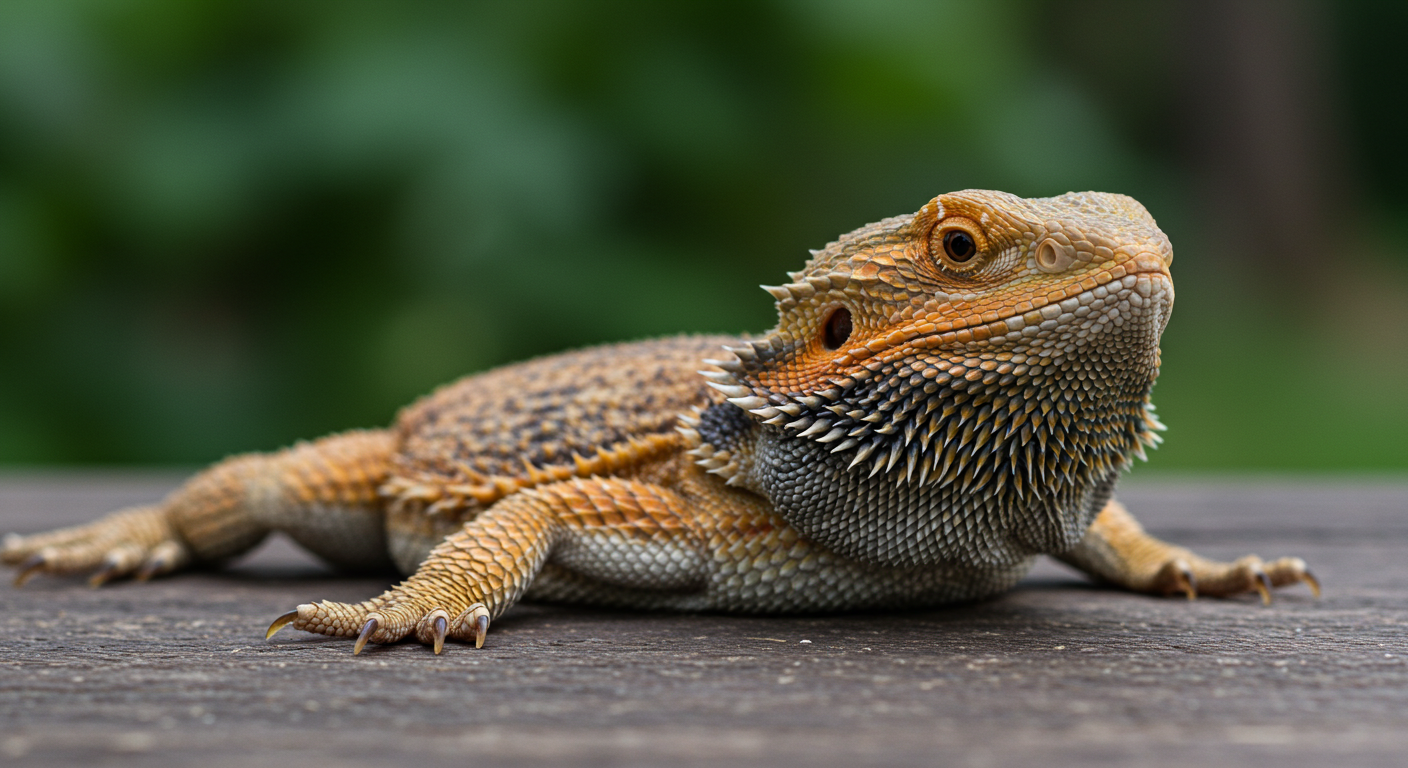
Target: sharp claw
[151, 568]
[1314, 583]
[33, 565]
[147, 571]
[481, 628]
[367, 630]
[1263, 585]
[108, 573]
[281, 622]
[1190, 582]
[440, 627]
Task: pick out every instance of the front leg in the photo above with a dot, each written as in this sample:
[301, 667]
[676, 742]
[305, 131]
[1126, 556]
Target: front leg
[1118, 550]
[596, 527]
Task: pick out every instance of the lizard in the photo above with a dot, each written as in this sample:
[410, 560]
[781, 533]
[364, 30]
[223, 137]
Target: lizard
[946, 396]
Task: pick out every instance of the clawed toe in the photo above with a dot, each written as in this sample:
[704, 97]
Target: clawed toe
[136, 542]
[163, 559]
[1178, 576]
[1291, 570]
[1263, 577]
[117, 562]
[103, 575]
[1261, 583]
[439, 634]
[433, 629]
[475, 621]
[367, 629]
[1310, 581]
[481, 629]
[35, 564]
[385, 625]
[1197, 576]
[281, 622]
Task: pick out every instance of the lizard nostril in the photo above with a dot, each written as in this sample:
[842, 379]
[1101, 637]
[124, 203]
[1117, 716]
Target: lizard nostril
[837, 328]
[1053, 257]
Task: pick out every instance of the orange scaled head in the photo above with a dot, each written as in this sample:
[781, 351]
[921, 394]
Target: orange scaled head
[966, 274]
[987, 350]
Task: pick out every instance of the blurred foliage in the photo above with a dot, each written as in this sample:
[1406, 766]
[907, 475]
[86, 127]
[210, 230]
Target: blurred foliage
[228, 225]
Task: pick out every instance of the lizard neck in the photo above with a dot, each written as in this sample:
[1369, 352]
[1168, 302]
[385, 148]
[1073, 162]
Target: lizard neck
[990, 475]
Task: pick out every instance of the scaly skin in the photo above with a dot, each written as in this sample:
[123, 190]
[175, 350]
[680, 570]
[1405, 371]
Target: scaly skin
[946, 396]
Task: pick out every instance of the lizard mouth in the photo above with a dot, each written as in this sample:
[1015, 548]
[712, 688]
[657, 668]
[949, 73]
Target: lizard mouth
[1144, 287]
[1127, 296]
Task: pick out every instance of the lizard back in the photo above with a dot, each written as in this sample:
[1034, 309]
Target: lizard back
[606, 410]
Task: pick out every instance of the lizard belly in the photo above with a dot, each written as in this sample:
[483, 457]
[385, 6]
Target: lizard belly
[351, 538]
[845, 586]
[623, 560]
[621, 574]
[827, 582]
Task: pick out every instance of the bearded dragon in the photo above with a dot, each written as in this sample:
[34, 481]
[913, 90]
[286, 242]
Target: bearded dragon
[946, 396]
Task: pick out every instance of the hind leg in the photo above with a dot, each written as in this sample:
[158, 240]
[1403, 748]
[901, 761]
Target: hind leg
[323, 494]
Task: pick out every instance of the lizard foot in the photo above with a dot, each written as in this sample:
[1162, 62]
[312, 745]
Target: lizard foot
[383, 621]
[135, 542]
[1195, 576]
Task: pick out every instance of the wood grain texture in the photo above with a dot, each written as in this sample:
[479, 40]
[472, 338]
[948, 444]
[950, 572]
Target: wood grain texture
[1058, 671]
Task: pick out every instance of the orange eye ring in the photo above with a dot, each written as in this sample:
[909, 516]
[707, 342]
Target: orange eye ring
[958, 244]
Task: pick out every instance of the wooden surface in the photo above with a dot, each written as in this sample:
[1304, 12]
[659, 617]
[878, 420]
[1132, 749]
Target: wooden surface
[1058, 672]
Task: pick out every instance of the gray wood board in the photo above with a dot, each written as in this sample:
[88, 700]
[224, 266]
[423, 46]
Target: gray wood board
[1058, 672]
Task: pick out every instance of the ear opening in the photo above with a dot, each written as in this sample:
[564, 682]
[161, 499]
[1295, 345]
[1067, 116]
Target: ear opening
[837, 328]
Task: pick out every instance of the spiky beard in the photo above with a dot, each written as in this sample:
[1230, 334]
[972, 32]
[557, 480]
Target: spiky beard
[984, 456]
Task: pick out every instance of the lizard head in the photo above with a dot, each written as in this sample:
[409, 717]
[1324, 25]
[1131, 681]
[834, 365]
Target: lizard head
[988, 352]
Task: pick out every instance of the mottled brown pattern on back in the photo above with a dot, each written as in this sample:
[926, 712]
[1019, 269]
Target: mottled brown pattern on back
[545, 410]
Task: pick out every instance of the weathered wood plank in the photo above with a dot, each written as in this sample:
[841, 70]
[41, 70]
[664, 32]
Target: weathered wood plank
[1059, 671]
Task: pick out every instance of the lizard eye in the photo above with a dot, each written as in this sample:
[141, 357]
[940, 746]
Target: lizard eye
[958, 244]
[837, 328]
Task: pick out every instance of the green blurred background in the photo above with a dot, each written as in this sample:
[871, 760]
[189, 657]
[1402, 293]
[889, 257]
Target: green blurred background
[226, 225]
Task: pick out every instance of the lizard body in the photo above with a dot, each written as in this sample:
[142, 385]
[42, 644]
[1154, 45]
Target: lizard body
[946, 396]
